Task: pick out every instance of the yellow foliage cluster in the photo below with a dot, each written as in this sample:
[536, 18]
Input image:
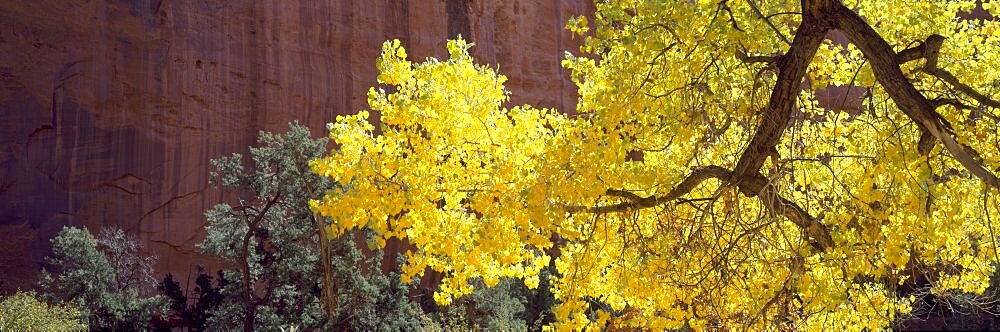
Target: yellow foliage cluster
[24, 312]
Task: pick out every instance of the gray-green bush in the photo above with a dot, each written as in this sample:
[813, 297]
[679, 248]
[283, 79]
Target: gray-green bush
[108, 278]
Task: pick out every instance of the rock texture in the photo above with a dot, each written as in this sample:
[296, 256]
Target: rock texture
[113, 108]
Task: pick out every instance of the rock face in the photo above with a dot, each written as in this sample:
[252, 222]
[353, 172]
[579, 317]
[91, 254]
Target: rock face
[113, 108]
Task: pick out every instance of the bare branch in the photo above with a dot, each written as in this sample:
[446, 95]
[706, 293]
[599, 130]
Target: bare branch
[938, 102]
[961, 87]
[760, 15]
[250, 306]
[817, 234]
[929, 50]
[636, 202]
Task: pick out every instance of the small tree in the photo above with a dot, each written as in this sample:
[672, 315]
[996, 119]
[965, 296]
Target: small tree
[288, 271]
[178, 300]
[108, 278]
[205, 299]
[268, 234]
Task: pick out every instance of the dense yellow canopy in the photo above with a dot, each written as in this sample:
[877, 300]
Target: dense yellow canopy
[699, 182]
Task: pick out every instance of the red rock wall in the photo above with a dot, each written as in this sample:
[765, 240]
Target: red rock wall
[113, 108]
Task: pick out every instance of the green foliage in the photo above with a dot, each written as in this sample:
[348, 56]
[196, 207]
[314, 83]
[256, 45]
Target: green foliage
[25, 312]
[271, 215]
[508, 306]
[498, 308]
[107, 277]
[372, 300]
[283, 252]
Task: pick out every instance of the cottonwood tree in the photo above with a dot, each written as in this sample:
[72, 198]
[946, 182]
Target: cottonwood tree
[699, 183]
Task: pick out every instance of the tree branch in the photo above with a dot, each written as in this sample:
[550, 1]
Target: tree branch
[930, 49]
[777, 114]
[250, 306]
[636, 202]
[947, 76]
[752, 185]
[885, 65]
[760, 15]
[818, 235]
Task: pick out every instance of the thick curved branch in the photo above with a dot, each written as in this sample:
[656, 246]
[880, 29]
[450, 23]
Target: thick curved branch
[777, 114]
[885, 65]
[928, 49]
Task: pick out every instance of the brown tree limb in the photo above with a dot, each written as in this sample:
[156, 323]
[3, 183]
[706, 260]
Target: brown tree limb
[885, 64]
[929, 50]
[329, 293]
[955, 83]
[635, 202]
[818, 235]
[777, 114]
[958, 104]
[752, 185]
[250, 306]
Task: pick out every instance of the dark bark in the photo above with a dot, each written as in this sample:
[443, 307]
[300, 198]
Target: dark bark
[248, 293]
[329, 292]
[885, 64]
[778, 112]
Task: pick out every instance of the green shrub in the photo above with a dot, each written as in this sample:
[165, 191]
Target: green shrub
[24, 312]
[108, 278]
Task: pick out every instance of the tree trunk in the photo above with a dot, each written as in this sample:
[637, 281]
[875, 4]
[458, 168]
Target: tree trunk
[326, 259]
[249, 302]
